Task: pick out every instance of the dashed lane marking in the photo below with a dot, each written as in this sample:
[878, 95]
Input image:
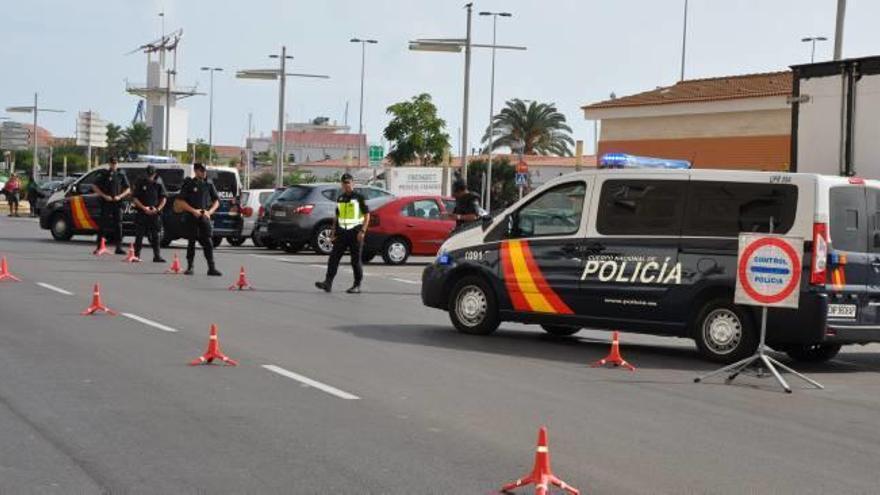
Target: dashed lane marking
[151, 323]
[311, 383]
[55, 289]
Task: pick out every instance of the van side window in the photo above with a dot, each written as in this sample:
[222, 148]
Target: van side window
[84, 186]
[849, 230]
[874, 220]
[554, 212]
[641, 207]
[724, 209]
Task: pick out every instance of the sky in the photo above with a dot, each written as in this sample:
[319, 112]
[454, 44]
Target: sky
[579, 51]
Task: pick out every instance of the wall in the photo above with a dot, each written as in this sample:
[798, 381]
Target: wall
[739, 152]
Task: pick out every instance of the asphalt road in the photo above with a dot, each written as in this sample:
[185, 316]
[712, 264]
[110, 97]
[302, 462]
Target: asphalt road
[375, 394]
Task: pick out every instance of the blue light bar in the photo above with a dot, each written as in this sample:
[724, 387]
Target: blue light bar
[623, 160]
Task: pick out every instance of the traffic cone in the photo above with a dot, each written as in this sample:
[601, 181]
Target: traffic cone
[242, 282]
[4, 272]
[213, 351]
[102, 248]
[614, 356]
[541, 476]
[131, 257]
[97, 305]
[175, 266]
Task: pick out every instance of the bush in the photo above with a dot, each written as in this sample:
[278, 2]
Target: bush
[504, 190]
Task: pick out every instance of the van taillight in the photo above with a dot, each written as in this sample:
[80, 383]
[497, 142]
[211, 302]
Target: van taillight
[247, 211]
[261, 211]
[819, 265]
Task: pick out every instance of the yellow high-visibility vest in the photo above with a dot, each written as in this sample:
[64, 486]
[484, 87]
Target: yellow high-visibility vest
[348, 214]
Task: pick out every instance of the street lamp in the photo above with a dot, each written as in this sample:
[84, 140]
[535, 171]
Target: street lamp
[495, 16]
[281, 75]
[361, 111]
[684, 36]
[813, 40]
[455, 45]
[35, 109]
[211, 70]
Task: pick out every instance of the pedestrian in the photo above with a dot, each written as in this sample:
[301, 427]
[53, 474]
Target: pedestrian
[33, 194]
[112, 187]
[349, 230]
[198, 200]
[149, 198]
[467, 205]
[13, 190]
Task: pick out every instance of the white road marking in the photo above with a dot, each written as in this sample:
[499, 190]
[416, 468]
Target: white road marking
[415, 282]
[315, 265]
[150, 322]
[312, 383]
[55, 289]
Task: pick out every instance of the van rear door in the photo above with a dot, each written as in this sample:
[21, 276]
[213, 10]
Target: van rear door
[849, 260]
[871, 311]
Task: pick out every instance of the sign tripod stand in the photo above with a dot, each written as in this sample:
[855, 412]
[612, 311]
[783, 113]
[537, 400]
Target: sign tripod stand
[760, 357]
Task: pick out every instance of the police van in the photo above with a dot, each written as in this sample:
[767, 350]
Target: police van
[655, 251]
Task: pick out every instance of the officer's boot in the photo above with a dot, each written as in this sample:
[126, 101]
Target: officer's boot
[212, 270]
[189, 266]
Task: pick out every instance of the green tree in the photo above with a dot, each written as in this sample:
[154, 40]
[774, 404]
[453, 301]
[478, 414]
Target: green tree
[137, 137]
[539, 125]
[504, 190]
[416, 132]
[299, 177]
[202, 152]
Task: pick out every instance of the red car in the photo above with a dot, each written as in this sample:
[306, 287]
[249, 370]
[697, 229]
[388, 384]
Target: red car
[409, 225]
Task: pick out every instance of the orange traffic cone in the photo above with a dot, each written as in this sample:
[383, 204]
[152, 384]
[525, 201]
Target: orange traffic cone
[97, 305]
[175, 266]
[131, 257]
[614, 356]
[4, 272]
[242, 282]
[102, 248]
[541, 476]
[213, 351]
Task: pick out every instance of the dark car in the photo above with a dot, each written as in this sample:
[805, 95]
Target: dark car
[303, 214]
[260, 235]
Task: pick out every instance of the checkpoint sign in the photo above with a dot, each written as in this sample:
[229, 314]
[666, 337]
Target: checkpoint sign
[769, 270]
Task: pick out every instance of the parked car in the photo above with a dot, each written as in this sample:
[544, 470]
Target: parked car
[410, 225]
[249, 206]
[47, 189]
[303, 215]
[260, 235]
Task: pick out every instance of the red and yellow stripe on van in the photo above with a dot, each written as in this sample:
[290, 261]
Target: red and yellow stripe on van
[81, 218]
[526, 286]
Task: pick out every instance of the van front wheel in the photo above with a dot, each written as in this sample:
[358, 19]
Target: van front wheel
[724, 332]
[472, 307]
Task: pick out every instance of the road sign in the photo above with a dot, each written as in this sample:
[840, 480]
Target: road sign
[522, 179]
[377, 153]
[522, 167]
[768, 270]
[14, 136]
[91, 130]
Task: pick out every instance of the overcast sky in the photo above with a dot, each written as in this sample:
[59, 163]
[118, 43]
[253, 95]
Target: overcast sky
[579, 51]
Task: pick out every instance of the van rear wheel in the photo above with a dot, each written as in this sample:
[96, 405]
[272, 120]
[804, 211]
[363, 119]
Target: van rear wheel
[472, 307]
[724, 332]
[815, 353]
[561, 330]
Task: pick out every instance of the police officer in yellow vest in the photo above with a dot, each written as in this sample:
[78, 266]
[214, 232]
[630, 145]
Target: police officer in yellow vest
[350, 228]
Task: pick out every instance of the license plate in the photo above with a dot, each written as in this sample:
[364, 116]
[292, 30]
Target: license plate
[841, 310]
[280, 213]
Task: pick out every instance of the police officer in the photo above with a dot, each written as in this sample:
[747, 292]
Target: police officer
[112, 187]
[198, 199]
[350, 228]
[149, 198]
[467, 205]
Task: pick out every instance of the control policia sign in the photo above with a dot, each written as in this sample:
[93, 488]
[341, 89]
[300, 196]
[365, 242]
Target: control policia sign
[768, 270]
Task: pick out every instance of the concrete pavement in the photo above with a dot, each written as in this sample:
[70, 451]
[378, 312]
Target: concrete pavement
[105, 404]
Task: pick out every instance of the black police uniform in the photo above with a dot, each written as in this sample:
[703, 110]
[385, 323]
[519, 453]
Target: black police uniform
[149, 193]
[467, 204]
[200, 194]
[111, 183]
[347, 239]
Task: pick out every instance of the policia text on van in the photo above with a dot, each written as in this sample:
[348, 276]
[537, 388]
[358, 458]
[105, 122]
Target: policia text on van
[654, 251]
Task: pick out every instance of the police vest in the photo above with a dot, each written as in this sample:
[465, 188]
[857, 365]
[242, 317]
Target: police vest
[348, 214]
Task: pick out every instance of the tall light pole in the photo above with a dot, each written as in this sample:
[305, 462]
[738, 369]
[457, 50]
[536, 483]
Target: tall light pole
[211, 70]
[495, 16]
[35, 109]
[363, 43]
[455, 45]
[813, 40]
[684, 36]
[838, 29]
[281, 74]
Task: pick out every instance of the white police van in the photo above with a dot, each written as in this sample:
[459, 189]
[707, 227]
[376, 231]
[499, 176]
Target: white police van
[655, 250]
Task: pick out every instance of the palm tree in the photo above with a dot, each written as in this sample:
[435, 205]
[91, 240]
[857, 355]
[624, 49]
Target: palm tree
[137, 137]
[115, 141]
[539, 126]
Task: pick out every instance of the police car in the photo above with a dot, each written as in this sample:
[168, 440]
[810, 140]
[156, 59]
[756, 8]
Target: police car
[654, 250]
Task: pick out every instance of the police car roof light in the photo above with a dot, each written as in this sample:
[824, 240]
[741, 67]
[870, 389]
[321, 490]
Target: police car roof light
[623, 160]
